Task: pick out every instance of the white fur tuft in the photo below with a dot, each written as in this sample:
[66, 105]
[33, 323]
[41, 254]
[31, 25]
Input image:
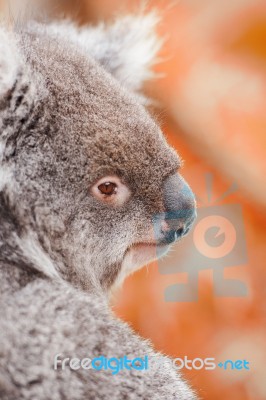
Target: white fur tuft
[5, 177]
[34, 253]
[5, 173]
[8, 62]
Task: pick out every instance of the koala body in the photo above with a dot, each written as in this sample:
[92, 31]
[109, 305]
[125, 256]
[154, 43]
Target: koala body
[86, 182]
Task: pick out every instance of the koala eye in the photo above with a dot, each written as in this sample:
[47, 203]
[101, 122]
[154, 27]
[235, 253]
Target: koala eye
[107, 188]
[111, 190]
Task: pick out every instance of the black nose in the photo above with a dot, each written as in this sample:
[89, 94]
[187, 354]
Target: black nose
[180, 211]
[176, 226]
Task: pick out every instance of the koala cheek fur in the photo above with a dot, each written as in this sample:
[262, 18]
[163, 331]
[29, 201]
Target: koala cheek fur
[71, 114]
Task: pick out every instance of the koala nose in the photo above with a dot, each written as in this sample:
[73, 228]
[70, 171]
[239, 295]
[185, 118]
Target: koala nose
[180, 206]
[174, 233]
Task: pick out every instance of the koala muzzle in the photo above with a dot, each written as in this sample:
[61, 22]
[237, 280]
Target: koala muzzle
[180, 211]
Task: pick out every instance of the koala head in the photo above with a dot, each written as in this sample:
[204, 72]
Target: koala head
[92, 185]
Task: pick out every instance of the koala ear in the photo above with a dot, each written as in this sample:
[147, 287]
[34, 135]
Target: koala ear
[9, 62]
[127, 48]
[19, 90]
[15, 80]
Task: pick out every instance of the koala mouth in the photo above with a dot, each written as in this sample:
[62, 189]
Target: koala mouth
[140, 254]
[156, 249]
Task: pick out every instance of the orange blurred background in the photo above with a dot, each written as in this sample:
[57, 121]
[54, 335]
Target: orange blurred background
[212, 108]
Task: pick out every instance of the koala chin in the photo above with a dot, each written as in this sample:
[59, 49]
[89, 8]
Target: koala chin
[89, 192]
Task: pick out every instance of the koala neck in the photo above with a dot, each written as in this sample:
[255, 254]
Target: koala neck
[15, 269]
[22, 257]
[26, 252]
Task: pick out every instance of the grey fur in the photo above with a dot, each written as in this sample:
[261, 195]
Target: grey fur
[64, 123]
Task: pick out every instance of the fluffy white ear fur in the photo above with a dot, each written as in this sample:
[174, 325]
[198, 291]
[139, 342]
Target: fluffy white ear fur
[127, 48]
[8, 61]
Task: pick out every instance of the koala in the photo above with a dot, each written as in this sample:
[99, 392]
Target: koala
[90, 191]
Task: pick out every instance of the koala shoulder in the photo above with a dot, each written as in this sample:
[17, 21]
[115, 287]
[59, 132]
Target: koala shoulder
[70, 324]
